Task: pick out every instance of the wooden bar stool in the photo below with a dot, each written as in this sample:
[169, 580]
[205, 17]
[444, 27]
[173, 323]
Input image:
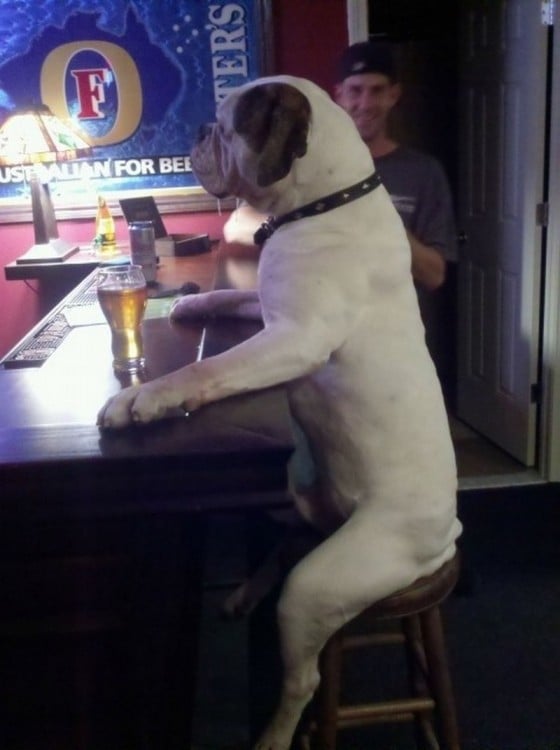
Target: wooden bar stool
[430, 704]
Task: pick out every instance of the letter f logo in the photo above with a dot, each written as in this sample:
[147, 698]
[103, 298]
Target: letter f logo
[90, 86]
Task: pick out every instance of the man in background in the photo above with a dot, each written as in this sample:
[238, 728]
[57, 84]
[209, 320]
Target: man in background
[368, 88]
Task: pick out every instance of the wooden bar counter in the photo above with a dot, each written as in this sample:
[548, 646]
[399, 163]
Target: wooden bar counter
[102, 534]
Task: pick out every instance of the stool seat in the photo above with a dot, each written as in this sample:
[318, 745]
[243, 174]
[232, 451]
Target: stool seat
[430, 704]
[425, 592]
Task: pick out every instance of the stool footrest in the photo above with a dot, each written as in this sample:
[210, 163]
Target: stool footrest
[364, 722]
[375, 639]
[384, 710]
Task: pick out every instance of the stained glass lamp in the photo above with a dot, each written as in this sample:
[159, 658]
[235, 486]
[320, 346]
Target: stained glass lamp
[32, 137]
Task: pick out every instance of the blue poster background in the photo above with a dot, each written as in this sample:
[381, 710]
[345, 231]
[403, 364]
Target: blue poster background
[170, 43]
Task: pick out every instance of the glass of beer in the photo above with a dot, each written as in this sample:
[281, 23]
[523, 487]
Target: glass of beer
[122, 294]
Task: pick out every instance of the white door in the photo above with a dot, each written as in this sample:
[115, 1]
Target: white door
[502, 141]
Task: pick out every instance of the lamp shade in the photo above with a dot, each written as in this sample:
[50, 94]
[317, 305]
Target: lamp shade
[32, 137]
[35, 135]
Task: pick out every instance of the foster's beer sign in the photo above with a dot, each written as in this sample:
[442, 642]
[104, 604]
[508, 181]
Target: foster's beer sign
[136, 78]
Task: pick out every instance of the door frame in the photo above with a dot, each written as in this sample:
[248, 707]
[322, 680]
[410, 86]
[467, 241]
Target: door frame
[358, 20]
[550, 421]
[548, 438]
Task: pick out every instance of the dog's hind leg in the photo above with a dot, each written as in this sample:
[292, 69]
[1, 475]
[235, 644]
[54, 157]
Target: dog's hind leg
[300, 648]
[356, 566]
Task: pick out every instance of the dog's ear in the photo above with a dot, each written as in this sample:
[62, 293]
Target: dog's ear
[274, 119]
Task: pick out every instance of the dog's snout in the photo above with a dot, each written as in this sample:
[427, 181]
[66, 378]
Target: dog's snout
[204, 131]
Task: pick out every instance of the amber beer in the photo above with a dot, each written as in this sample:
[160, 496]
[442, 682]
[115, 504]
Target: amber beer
[122, 295]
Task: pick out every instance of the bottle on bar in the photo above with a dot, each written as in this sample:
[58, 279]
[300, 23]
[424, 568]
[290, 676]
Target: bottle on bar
[105, 240]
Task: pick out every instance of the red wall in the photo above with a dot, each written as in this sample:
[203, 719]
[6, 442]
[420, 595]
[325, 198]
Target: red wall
[308, 36]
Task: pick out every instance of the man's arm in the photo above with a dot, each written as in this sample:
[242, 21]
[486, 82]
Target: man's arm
[428, 264]
[433, 235]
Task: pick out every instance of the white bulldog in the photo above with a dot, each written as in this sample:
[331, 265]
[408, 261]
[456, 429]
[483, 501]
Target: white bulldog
[343, 331]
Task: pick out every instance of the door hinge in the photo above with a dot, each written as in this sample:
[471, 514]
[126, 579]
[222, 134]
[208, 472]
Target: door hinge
[547, 12]
[542, 214]
[536, 393]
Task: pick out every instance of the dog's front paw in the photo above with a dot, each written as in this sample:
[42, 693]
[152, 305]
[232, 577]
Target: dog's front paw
[117, 410]
[154, 401]
[138, 405]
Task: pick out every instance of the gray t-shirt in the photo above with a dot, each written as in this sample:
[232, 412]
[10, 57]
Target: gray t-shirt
[420, 192]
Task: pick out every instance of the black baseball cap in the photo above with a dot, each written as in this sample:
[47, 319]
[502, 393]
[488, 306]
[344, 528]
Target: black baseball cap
[367, 57]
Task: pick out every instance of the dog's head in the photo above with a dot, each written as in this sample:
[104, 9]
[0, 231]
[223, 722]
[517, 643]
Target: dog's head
[270, 130]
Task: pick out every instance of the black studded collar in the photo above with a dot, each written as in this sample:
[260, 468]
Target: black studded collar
[317, 207]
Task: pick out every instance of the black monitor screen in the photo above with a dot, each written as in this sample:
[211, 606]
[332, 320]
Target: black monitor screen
[143, 209]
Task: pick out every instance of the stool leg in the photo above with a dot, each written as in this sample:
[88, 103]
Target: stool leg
[328, 694]
[417, 668]
[439, 677]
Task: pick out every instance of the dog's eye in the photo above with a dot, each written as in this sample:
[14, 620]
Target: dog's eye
[222, 131]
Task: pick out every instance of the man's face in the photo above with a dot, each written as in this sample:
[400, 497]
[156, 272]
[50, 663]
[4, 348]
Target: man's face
[368, 98]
